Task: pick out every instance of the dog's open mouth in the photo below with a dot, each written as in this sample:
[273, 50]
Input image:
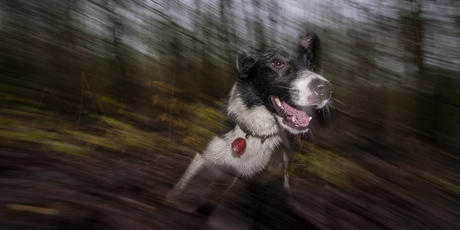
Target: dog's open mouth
[293, 117]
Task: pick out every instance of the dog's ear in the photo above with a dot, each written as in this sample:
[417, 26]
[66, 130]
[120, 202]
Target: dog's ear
[308, 49]
[245, 59]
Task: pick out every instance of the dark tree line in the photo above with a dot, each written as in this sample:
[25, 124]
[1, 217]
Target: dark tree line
[394, 65]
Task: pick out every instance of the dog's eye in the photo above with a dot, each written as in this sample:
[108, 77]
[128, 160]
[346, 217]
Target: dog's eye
[277, 63]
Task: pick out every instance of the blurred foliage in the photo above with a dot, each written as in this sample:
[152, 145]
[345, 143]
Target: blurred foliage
[197, 123]
[193, 123]
[151, 76]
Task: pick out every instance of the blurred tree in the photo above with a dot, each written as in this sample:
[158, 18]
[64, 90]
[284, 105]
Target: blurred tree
[259, 23]
[393, 64]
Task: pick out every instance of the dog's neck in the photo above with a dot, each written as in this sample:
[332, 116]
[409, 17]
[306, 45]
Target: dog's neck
[250, 133]
[255, 121]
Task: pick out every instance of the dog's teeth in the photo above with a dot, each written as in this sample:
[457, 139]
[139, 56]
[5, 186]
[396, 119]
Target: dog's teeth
[278, 102]
[310, 118]
[294, 119]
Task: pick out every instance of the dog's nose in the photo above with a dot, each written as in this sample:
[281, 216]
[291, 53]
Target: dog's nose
[320, 88]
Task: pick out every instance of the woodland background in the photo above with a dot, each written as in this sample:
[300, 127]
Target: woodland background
[137, 82]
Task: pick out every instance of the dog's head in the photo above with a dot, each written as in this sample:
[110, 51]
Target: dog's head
[284, 83]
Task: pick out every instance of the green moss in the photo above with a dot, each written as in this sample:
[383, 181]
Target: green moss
[329, 166]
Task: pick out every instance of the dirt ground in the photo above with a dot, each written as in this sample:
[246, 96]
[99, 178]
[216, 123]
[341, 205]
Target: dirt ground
[40, 189]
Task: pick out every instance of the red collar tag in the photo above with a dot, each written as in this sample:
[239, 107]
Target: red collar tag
[239, 145]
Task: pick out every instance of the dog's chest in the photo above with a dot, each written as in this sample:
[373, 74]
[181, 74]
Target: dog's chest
[253, 159]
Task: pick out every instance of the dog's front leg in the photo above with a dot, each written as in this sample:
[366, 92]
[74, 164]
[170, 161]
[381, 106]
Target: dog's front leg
[286, 161]
[195, 166]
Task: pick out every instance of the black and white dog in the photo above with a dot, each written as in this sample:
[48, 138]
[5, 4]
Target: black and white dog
[275, 96]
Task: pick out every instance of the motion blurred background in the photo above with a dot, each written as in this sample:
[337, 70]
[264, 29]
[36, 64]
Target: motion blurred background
[100, 98]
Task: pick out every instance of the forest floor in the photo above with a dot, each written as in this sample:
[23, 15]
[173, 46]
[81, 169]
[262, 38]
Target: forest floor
[48, 182]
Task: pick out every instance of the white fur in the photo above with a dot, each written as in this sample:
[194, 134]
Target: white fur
[253, 160]
[256, 155]
[259, 120]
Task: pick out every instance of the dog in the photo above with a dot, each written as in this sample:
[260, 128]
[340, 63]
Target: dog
[275, 97]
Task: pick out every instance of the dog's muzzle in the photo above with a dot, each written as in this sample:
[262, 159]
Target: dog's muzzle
[308, 93]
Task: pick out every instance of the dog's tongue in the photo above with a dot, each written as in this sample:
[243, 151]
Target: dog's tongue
[300, 116]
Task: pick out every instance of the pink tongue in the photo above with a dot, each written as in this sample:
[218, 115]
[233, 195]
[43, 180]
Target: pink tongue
[301, 117]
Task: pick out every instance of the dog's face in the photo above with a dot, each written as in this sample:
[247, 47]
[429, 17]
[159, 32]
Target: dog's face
[284, 83]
